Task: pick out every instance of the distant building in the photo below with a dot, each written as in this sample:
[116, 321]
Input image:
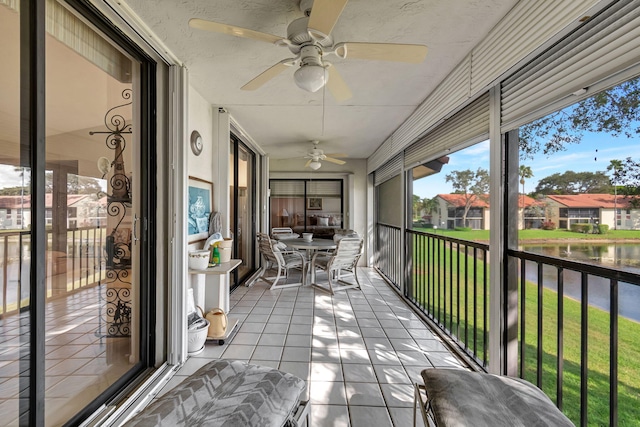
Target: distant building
[449, 214]
[614, 211]
[83, 210]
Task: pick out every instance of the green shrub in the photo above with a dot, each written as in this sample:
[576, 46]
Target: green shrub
[548, 225]
[603, 228]
[582, 228]
[463, 228]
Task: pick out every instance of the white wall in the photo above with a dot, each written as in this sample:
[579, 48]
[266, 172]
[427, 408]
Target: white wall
[200, 118]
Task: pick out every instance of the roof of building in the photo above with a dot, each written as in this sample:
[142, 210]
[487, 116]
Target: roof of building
[607, 201]
[459, 200]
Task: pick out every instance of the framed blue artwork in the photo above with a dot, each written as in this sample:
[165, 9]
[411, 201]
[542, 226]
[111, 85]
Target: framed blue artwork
[198, 209]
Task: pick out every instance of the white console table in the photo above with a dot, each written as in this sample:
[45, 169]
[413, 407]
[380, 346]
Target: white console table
[208, 299]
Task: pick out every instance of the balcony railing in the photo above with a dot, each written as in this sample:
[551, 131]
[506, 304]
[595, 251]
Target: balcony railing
[388, 250]
[78, 265]
[578, 349]
[448, 282]
[574, 347]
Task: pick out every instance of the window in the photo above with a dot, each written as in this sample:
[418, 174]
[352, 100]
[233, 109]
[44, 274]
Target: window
[314, 206]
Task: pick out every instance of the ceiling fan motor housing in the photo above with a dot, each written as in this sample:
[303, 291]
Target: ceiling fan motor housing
[298, 34]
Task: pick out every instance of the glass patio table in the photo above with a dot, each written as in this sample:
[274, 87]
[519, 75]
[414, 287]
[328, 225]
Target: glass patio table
[311, 247]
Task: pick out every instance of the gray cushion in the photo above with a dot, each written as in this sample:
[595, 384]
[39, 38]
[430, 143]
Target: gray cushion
[463, 398]
[227, 393]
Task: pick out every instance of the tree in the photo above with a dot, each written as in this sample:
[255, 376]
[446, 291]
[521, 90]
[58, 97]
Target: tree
[615, 167]
[473, 186]
[615, 111]
[76, 184]
[626, 174]
[571, 182]
[430, 205]
[525, 173]
[416, 206]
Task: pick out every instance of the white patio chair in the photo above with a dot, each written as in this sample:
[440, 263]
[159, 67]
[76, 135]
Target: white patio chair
[343, 259]
[276, 256]
[283, 233]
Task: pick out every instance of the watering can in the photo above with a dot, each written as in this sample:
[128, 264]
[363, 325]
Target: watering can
[217, 322]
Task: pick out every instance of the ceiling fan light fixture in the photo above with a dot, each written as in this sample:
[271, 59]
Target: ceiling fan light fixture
[311, 77]
[315, 165]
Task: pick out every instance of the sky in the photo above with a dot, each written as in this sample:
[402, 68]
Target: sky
[593, 154]
[9, 177]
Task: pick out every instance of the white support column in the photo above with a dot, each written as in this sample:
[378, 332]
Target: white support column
[371, 222]
[177, 184]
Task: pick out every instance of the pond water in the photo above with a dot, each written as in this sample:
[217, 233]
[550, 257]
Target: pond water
[615, 255]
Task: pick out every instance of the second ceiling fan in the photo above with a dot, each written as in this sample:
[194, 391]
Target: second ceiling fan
[309, 39]
[316, 155]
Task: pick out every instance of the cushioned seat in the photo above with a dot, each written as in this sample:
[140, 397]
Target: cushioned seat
[461, 398]
[228, 393]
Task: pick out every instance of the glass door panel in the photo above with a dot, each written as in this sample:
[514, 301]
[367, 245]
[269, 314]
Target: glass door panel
[307, 206]
[91, 141]
[15, 235]
[242, 207]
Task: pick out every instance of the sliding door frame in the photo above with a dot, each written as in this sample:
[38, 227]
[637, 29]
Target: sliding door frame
[32, 153]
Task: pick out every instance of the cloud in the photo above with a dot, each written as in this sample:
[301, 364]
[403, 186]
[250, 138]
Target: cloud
[9, 177]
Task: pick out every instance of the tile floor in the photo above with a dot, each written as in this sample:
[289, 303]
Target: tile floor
[80, 362]
[360, 350]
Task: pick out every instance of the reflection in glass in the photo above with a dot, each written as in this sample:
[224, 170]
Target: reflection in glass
[15, 237]
[91, 293]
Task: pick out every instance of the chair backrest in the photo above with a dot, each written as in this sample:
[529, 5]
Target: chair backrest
[347, 252]
[341, 233]
[268, 248]
[281, 230]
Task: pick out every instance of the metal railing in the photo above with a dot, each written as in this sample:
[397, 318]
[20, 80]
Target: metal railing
[573, 342]
[570, 337]
[448, 282]
[79, 265]
[388, 250]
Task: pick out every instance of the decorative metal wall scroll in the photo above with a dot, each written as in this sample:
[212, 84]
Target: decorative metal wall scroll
[116, 295]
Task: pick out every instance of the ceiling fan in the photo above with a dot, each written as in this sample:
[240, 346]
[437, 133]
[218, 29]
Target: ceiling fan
[309, 39]
[316, 155]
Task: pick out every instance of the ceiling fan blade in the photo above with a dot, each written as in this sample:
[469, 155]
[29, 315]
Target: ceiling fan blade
[337, 155]
[337, 86]
[411, 53]
[324, 15]
[265, 76]
[217, 27]
[336, 161]
[306, 165]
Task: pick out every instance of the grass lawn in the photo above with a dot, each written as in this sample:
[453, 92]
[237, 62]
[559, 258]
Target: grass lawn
[598, 358]
[436, 288]
[537, 235]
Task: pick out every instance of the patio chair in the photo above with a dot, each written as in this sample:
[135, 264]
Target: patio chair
[343, 259]
[276, 256]
[456, 397]
[341, 233]
[283, 233]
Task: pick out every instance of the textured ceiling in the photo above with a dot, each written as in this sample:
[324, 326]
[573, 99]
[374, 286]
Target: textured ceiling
[282, 118]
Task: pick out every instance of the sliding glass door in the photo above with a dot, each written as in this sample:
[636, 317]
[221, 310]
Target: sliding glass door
[242, 207]
[74, 266]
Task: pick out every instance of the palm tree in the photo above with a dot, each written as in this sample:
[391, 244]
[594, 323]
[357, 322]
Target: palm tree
[525, 173]
[616, 167]
[430, 205]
